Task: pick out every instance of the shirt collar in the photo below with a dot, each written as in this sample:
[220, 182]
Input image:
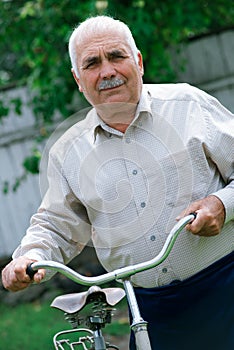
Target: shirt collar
[144, 106]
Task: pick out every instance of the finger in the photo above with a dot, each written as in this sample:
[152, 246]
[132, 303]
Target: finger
[185, 213]
[181, 215]
[39, 275]
[12, 283]
[197, 224]
[191, 209]
[20, 272]
[18, 286]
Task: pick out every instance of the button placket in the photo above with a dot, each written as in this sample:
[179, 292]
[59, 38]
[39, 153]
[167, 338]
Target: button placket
[166, 275]
[135, 174]
[128, 140]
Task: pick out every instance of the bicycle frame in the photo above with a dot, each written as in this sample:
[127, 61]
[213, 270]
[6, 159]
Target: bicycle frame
[139, 326]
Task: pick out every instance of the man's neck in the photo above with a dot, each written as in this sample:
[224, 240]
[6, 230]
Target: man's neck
[120, 127]
[117, 115]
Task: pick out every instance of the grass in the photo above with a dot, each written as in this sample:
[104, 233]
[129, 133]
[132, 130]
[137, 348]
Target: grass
[32, 326]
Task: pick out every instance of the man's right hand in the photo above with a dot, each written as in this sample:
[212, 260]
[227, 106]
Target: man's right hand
[14, 277]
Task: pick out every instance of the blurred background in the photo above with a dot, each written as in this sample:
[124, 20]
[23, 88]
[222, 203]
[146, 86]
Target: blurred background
[181, 41]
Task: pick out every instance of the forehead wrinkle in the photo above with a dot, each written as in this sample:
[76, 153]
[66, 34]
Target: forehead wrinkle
[93, 47]
[107, 53]
[90, 57]
[98, 43]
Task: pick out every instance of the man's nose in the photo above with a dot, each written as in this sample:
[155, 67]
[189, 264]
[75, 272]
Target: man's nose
[107, 70]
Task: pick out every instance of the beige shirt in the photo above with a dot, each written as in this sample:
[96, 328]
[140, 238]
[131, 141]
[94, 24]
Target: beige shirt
[124, 191]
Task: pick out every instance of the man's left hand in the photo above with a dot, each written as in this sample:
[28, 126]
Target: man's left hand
[210, 216]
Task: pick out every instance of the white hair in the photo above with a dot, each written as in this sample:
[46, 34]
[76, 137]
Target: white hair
[92, 26]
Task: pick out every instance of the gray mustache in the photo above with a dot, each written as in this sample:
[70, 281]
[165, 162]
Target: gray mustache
[110, 83]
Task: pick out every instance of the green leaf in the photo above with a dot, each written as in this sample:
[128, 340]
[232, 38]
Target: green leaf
[31, 163]
[4, 110]
[17, 103]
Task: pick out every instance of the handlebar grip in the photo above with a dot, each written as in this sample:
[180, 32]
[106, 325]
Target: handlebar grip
[194, 214]
[30, 271]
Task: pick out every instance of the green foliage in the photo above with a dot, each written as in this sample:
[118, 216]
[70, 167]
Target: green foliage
[34, 37]
[7, 186]
[32, 162]
[17, 104]
[30, 165]
[29, 326]
[159, 25]
[4, 110]
[32, 326]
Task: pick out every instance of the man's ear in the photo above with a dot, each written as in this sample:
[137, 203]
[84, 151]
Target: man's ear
[140, 63]
[77, 80]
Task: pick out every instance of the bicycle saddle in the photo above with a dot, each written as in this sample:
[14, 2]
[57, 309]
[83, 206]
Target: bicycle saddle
[74, 302]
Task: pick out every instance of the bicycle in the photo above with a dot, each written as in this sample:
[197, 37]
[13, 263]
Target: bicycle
[103, 300]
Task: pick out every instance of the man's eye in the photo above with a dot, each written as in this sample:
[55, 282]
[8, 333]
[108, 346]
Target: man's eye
[90, 65]
[119, 56]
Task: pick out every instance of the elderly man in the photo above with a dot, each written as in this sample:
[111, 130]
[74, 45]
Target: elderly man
[142, 157]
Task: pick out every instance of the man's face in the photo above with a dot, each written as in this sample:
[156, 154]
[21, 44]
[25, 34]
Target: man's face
[108, 58]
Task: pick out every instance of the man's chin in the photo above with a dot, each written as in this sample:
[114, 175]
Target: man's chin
[116, 110]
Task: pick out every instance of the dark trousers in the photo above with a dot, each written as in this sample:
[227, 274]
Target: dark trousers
[197, 313]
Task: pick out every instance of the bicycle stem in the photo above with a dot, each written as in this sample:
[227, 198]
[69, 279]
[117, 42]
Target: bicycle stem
[139, 325]
[130, 294]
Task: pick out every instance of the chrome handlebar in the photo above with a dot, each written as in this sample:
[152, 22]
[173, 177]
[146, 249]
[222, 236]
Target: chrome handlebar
[121, 273]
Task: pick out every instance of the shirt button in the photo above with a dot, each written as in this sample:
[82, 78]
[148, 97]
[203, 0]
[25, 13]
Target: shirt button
[128, 140]
[164, 270]
[143, 204]
[153, 238]
[134, 172]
